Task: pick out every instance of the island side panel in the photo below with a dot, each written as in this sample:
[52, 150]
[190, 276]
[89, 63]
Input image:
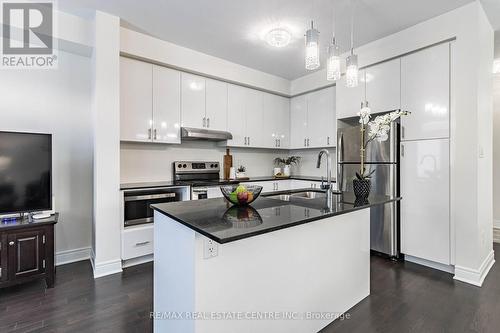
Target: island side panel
[174, 287]
[322, 267]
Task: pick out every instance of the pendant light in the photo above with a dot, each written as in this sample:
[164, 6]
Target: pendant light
[312, 48]
[333, 60]
[352, 69]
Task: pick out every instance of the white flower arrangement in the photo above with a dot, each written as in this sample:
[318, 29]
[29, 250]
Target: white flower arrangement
[378, 129]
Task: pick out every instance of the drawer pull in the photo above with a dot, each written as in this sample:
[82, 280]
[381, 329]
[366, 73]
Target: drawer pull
[142, 243]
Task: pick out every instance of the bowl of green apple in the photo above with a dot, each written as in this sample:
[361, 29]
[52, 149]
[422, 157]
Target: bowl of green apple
[241, 195]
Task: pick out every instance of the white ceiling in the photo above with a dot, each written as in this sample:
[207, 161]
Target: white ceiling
[232, 29]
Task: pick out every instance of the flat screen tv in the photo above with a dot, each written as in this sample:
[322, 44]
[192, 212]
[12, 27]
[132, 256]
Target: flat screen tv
[25, 172]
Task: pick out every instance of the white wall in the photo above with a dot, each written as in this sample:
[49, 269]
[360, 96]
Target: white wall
[150, 162]
[496, 139]
[158, 51]
[106, 249]
[58, 102]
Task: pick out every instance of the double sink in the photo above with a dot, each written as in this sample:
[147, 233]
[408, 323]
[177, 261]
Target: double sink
[300, 194]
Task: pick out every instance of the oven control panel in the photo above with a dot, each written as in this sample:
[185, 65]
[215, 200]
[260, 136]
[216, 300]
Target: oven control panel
[196, 167]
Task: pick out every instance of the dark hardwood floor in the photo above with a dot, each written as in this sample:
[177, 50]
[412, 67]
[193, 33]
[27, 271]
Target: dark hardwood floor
[404, 298]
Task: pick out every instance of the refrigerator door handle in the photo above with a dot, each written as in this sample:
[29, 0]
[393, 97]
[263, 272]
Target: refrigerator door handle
[340, 149]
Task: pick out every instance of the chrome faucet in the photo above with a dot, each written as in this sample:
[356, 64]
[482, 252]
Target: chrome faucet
[328, 186]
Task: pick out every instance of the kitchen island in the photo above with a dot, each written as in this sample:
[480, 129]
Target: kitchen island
[287, 263]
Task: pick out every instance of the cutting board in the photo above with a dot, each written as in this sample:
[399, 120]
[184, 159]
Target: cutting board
[228, 163]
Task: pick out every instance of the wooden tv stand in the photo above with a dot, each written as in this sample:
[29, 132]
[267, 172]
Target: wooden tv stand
[27, 251]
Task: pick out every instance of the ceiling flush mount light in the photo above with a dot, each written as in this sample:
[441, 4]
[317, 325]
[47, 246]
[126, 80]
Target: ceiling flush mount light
[278, 37]
[312, 48]
[352, 68]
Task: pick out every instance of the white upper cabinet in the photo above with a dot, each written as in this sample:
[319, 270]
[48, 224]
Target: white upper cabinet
[136, 100]
[298, 122]
[150, 102]
[166, 105]
[245, 117]
[313, 120]
[193, 101]
[321, 124]
[349, 100]
[236, 118]
[383, 86]
[425, 208]
[276, 121]
[425, 92]
[254, 116]
[216, 105]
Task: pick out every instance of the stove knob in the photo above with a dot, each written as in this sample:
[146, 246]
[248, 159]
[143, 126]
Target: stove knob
[184, 166]
[216, 165]
[179, 165]
[212, 166]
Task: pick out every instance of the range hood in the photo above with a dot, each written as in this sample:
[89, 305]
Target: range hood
[189, 133]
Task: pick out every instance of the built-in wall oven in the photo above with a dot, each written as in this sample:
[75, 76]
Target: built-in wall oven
[137, 203]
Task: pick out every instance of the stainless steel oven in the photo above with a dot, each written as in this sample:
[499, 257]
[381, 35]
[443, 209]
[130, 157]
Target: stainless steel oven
[137, 203]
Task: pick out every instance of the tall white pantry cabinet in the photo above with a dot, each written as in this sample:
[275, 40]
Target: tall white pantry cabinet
[425, 155]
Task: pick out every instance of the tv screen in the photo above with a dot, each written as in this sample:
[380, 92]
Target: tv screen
[25, 172]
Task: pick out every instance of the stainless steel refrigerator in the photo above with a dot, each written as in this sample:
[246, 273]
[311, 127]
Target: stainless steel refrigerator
[383, 157]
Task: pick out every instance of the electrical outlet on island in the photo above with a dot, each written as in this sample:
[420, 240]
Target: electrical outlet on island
[210, 248]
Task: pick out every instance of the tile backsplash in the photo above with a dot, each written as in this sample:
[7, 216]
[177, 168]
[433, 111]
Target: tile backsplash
[151, 162]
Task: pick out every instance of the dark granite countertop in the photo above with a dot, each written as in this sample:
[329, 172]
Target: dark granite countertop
[17, 223]
[219, 220]
[134, 186]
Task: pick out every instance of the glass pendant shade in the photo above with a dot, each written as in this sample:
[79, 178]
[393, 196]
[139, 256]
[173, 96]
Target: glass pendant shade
[351, 73]
[312, 48]
[333, 62]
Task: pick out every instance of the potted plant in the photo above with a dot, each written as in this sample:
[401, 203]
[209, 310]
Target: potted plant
[241, 172]
[287, 163]
[378, 129]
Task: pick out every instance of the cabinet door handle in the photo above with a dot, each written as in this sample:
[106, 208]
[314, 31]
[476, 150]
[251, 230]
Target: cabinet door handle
[308, 142]
[328, 140]
[403, 150]
[208, 122]
[204, 122]
[245, 140]
[305, 142]
[142, 243]
[279, 142]
[402, 132]
[154, 135]
[149, 134]
[249, 141]
[11, 243]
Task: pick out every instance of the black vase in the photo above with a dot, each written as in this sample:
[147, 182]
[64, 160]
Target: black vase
[362, 188]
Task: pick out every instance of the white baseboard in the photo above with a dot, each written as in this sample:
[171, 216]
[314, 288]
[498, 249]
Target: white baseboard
[496, 224]
[475, 276]
[137, 261]
[431, 264]
[105, 268]
[74, 255]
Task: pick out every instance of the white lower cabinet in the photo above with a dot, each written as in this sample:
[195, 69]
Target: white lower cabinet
[137, 241]
[425, 205]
